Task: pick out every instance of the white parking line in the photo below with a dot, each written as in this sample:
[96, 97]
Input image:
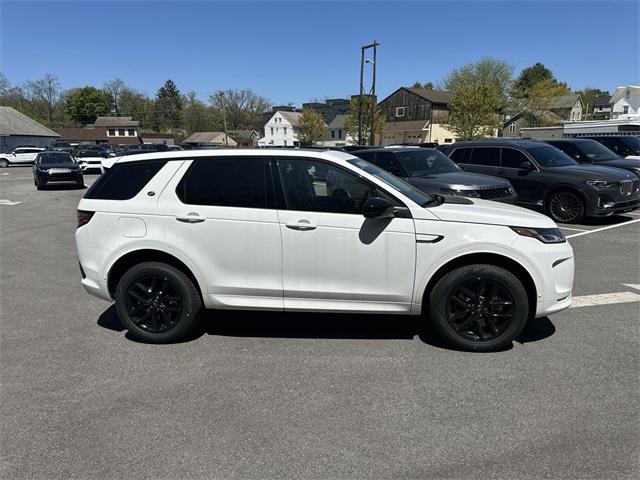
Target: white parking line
[604, 299]
[635, 214]
[603, 228]
[4, 201]
[632, 285]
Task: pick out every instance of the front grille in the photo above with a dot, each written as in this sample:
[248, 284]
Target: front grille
[59, 170]
[489, 193]
[626, 187]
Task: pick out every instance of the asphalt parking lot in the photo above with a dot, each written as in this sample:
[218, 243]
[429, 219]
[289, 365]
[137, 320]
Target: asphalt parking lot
[255, 395]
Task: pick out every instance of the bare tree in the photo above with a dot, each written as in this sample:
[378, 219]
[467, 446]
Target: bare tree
[47, 91]
[114, 89]
[4, 84]
[243, 108]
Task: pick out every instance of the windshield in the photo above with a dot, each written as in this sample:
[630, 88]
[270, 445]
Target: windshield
[633, 143]
[551, 157]
[55, 158]
[87, 153]
[425, 161]
[408, 190]
[596, 152]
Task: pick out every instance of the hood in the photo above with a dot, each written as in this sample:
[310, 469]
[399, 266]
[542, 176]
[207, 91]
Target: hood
[595, 172]
[491, 213]
[628, 163]
[457, 181]
[70, 166]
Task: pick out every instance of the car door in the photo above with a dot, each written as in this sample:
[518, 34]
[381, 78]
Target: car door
[333, 257]
[520, 170]
[220, 211]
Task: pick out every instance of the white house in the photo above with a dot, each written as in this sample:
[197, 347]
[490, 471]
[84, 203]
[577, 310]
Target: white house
[282, 129]
[337, 133]
[118, 126]
[625, 102]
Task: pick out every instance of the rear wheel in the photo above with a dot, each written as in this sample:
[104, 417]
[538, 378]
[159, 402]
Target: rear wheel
[157, 303]
[479, 307]
[565, 206]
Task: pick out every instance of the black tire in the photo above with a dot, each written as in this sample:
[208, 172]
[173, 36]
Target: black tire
[174, 319]
[494, 310]
[4, 163]
[565, 206]
[80, 183]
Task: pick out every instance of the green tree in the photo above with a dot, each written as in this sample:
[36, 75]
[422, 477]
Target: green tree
[360, 107]
[589, 95]
[85, 104]
[426, 86]
[529, 77]
[541, 97]
[312, 127]
[486, 71]
[473, 111]
[197, 117]
[168, 107]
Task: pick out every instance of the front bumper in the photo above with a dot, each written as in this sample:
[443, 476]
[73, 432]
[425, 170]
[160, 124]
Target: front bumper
[606, 209]
[46, 177]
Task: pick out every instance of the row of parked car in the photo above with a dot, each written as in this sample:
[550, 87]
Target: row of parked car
[567, 178]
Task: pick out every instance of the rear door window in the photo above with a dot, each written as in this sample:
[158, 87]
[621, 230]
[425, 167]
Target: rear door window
[226, 182]
[485, 156]
[124, 180]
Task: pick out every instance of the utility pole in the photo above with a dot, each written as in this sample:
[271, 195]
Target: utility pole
[224, 117]
[361, 102]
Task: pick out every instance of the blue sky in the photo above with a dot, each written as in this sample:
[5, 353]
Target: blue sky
[294, 51]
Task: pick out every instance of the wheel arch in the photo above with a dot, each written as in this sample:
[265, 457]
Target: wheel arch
[126, 261]
[491, 258]
[566, 187]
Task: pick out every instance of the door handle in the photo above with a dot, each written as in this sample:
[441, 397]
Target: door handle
[190, 217]
[302, 225]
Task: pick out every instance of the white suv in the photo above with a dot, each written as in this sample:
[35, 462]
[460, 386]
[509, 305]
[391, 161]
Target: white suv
[166, 234]
[20, 155]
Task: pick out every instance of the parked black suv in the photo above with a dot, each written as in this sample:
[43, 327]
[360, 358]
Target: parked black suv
[51, 166]
[621, 145]
[544, 177]
[431, 171]
[584, 150]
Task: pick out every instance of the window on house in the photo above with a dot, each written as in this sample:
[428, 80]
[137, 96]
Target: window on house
[285, 143]
[121, 132]
[132, 132]
[512, 127]
[112, 132]
[399, 111]
[285, 130]
[333, 134]
[625, 109]
[339, 133]
[271, 130]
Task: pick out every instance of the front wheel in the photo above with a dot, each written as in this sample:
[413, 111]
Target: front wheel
[565, 207]
[479, 307]
[157, 303]
[4, 163]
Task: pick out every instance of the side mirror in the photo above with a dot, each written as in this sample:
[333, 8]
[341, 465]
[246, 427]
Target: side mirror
[377, 207]
[527, 165]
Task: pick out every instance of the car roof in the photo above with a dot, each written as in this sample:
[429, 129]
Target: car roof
[499, 142]
[333, 155]
[393, 149]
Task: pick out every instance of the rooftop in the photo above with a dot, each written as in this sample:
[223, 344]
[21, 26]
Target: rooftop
[13, 122]
[116, 122]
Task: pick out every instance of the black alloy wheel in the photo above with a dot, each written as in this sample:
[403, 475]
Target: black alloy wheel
[157, 303]
[480, 309]
[153, 303]
[565, 207]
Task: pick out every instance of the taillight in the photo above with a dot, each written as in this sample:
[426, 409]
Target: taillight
[83, 217]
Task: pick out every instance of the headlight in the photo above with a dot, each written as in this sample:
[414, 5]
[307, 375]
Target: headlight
[599, 183]
[545, 235]
[511, 189]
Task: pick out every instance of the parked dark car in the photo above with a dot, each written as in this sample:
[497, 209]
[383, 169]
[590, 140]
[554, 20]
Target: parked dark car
[621, 145]
[431, 171]
[544, 177]
[51, 166]
[584, 150]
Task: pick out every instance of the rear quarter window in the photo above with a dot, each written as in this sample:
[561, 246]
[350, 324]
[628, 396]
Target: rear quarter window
[124, 180]
[460, 155]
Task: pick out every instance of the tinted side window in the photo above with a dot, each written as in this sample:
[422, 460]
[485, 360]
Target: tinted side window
[123, 181]
[225, 182]
[487, 156]
[461, 155]
[368, 156]
[389, 162]
[512, 158]
[339, 192]
[568, 148]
